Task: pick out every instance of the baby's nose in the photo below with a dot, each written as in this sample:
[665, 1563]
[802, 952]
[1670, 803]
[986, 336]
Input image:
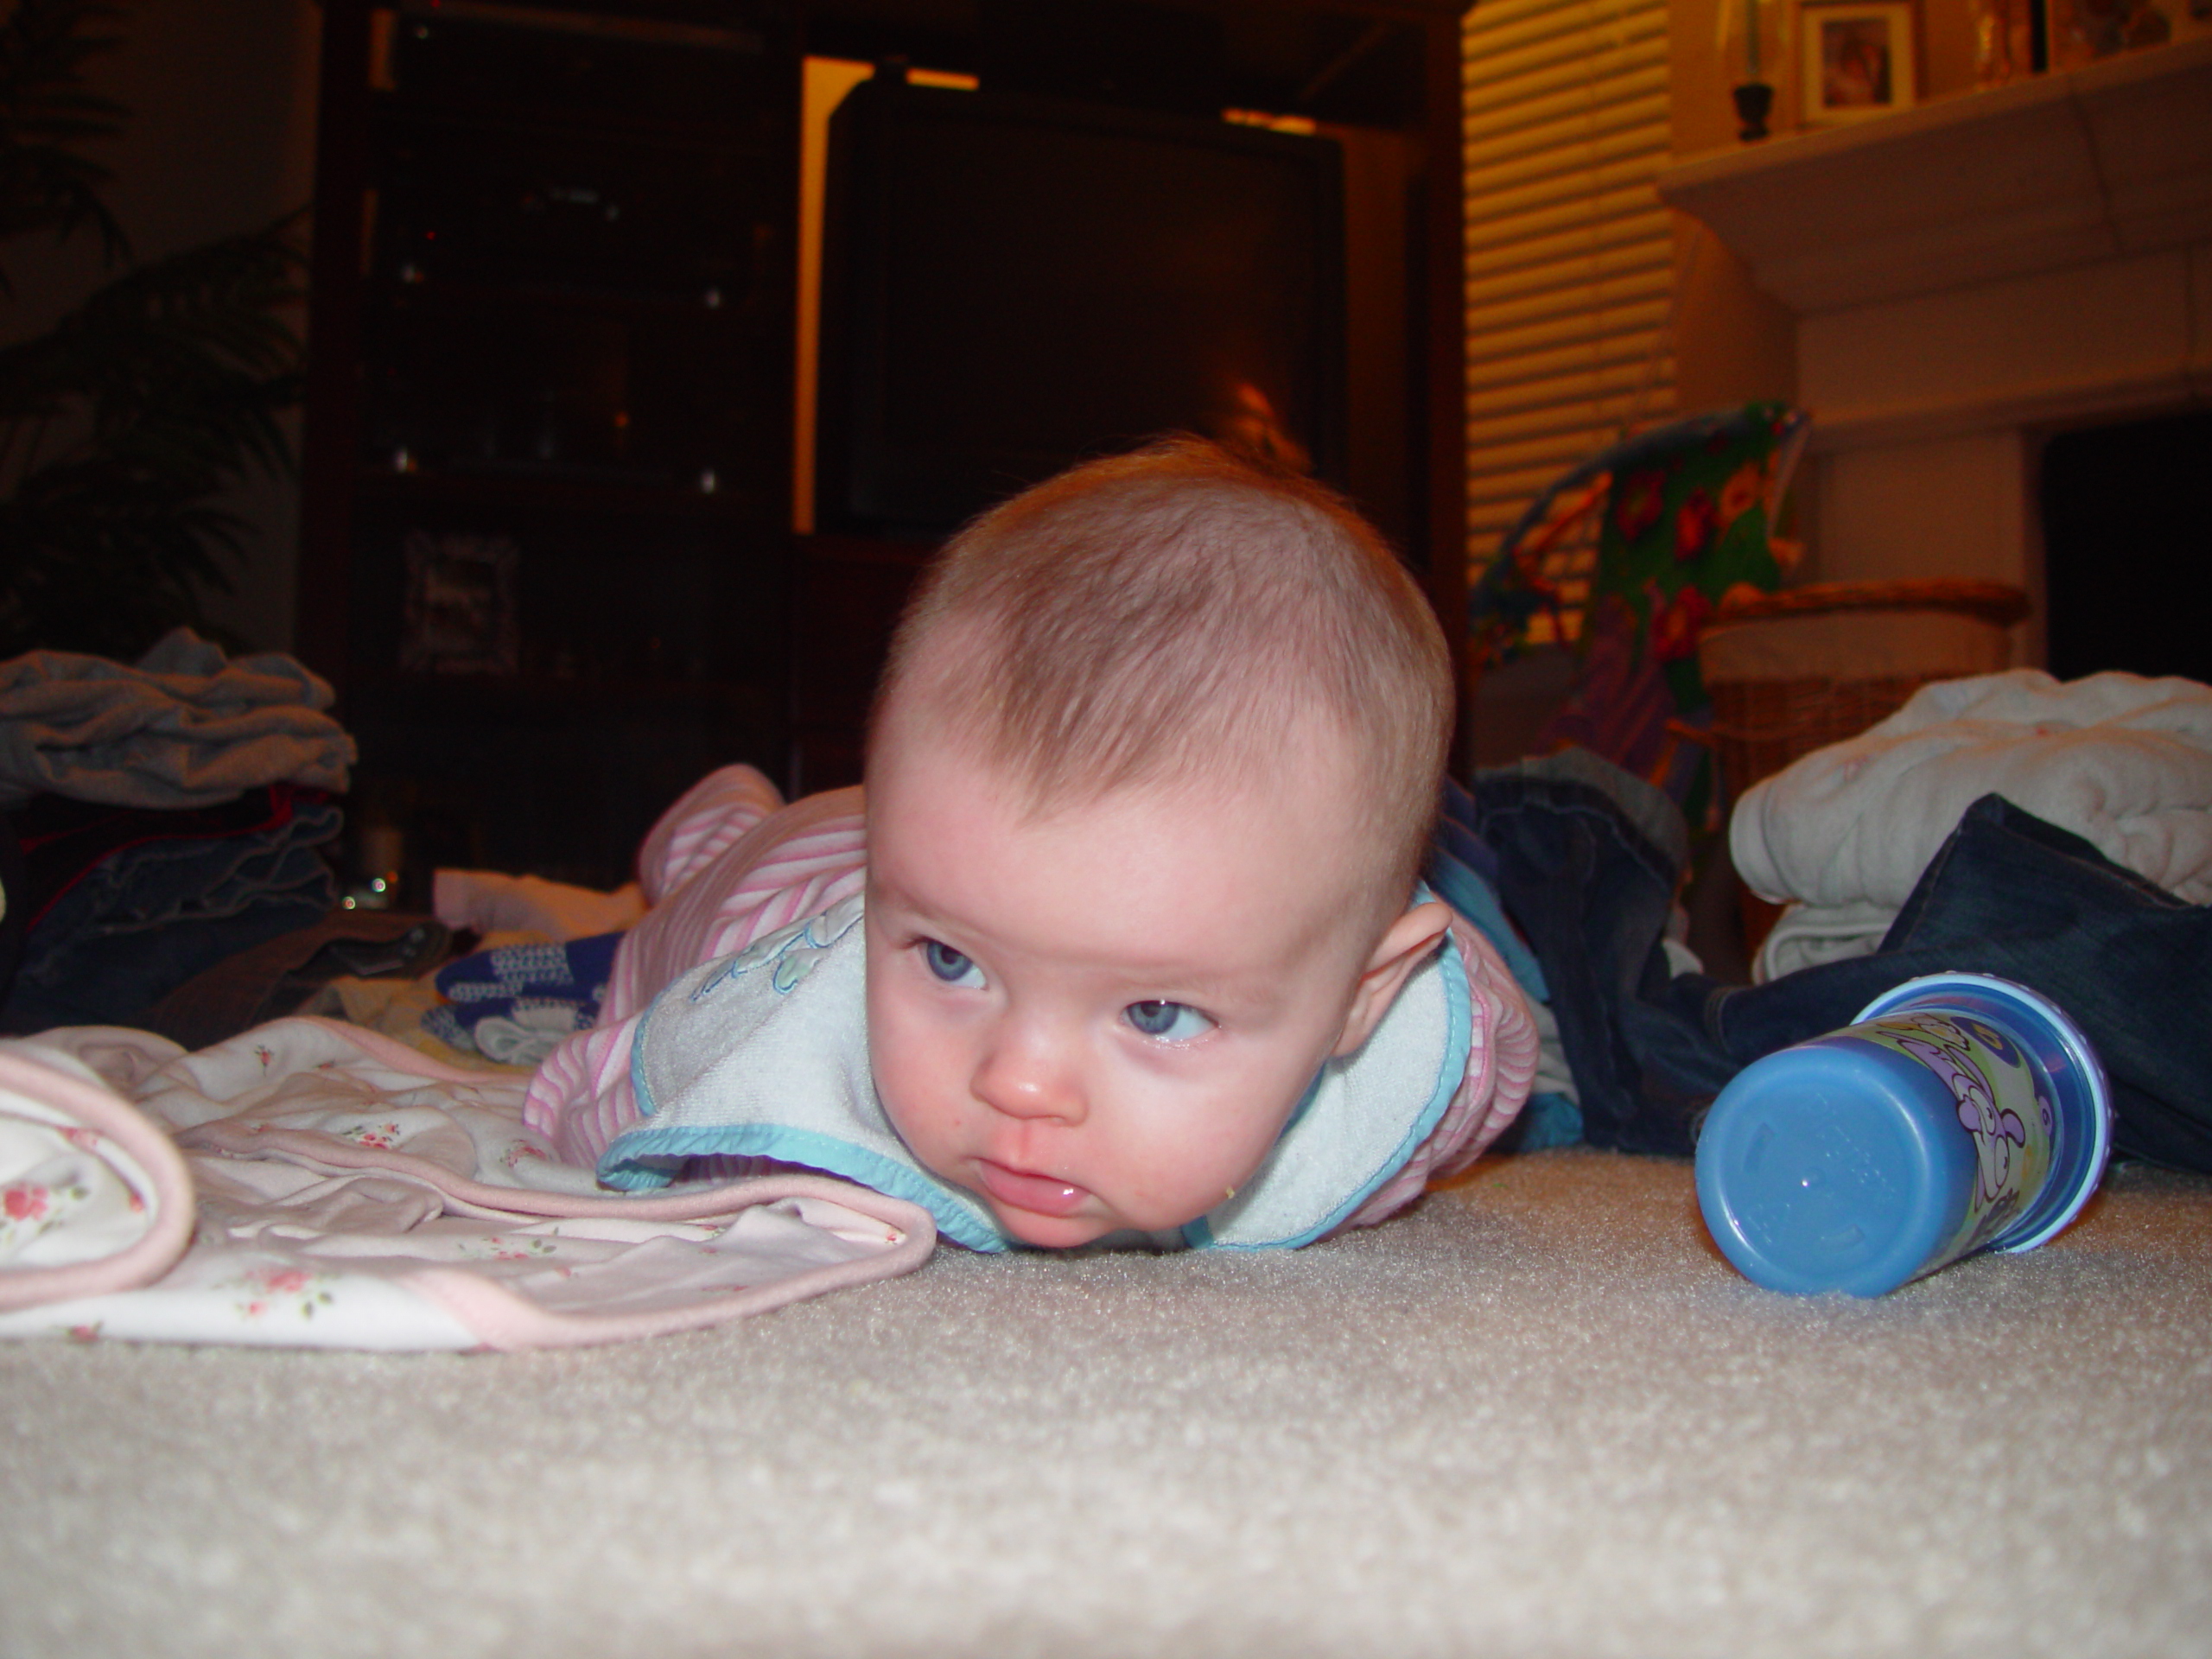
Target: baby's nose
[1024, 1072]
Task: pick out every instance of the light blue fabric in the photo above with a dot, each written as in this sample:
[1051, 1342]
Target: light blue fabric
[1548, 1120]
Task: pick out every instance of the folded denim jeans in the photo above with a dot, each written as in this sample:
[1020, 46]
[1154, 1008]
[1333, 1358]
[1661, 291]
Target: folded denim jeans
[1588, 856]
[2007, 895]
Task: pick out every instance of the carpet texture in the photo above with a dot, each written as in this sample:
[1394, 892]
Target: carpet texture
[1537, 1416]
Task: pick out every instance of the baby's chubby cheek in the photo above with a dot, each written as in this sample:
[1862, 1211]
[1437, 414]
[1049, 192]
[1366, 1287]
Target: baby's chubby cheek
[917, 1080]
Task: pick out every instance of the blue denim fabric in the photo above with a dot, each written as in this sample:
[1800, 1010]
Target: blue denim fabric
[1463, 872]
[1587, 859]
[147, 918]
[2006, 895]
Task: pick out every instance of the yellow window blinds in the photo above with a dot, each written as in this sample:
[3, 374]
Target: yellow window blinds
[1570, 257]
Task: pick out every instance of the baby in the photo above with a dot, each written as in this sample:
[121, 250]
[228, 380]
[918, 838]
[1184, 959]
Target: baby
[1122, 939]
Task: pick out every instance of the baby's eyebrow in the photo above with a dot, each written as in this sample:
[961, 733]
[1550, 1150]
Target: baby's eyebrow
[1199, 990]
[884, 897]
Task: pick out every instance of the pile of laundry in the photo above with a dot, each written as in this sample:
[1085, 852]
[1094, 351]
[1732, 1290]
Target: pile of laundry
[165, 816]
[2057, 836]
[1842, 837]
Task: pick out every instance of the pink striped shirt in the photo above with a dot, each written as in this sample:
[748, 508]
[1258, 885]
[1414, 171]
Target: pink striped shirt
[730, 863]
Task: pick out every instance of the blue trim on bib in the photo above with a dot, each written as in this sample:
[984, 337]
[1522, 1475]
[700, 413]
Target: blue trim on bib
[625, 1165]
[640, 1091]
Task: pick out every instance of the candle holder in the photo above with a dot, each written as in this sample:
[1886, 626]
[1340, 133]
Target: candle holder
[1754, 103]
[1754, 95]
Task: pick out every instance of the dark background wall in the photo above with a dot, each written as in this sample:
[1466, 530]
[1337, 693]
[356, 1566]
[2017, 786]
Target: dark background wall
[221, 139]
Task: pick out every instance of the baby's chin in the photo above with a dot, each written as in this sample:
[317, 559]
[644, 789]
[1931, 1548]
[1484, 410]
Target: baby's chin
[1086, 1221]
[1048, 1213]
[1073, 1232]
[1050, 1232]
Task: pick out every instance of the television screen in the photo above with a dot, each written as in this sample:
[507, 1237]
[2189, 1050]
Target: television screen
[1011, 284]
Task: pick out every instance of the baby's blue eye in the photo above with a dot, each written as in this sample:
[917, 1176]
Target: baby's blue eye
[949, 965]
[1174, 1022]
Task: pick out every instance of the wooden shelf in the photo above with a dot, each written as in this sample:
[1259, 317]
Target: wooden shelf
[526, 490]
[530, 121]
[732, 316]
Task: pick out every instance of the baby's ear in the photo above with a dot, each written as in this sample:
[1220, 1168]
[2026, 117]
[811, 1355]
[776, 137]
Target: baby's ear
[1405, 944]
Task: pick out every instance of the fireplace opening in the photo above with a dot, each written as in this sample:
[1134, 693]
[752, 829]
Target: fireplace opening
[2127, 548]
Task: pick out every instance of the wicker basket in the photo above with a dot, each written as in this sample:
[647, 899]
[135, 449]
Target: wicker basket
[1763, 721]
[1761, 726]
[1784, 683]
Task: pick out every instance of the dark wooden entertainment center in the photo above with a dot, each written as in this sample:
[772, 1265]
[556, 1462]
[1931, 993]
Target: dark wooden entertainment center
[548, 552]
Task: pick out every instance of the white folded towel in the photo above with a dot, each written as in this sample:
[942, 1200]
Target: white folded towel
[2123, 761]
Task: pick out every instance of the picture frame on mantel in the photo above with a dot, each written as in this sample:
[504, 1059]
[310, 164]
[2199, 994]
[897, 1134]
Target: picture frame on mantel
[1857, 59]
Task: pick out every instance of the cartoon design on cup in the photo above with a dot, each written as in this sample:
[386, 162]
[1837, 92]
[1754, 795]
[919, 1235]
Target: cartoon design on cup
[2000, 1136]
[1985, 1075]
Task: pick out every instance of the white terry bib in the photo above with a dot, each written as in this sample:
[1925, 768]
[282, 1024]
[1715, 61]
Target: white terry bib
[764, 1054]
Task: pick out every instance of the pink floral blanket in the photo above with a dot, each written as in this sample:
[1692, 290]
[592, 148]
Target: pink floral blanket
[313, 1184]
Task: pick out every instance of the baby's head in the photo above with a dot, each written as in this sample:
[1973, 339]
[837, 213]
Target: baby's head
[1155, 758]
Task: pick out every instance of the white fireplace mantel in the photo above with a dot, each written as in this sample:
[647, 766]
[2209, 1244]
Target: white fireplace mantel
[2104, 162]
[1969, 273]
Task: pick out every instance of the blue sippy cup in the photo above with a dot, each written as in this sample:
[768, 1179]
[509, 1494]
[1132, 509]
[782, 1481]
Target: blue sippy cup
[1958, 1113]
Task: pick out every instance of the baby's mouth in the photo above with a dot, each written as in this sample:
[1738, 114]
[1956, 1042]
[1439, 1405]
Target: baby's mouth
[1042, 1195]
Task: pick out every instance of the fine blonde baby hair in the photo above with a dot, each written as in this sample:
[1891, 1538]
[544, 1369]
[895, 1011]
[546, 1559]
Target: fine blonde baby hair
[1170, 614]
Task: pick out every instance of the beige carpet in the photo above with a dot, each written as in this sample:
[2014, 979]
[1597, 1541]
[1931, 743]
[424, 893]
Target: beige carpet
[1539, 1416]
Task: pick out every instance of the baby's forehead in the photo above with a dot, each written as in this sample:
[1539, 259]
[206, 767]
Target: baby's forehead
[1299, 762]
[1277, 754]
[1243, 723]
